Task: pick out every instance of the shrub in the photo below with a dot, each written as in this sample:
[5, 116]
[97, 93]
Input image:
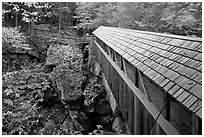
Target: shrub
[22, 91]
[13, 36]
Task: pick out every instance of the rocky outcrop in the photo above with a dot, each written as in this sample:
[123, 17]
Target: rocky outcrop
[102, 106]
[76, 123]
[68, 126]
[49, 129]
[64, 64]
[67, 85]
[82, 122]
[81, 92]
[48, 68]
[69, 99]
[118, 124]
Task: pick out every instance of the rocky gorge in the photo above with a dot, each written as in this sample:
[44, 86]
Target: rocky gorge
[66, 96]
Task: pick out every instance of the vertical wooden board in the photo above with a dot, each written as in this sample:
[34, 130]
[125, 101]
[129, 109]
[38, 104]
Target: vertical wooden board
[112, 79]
[126, 96]
[99, 56]
[115, 85]
[195, 125]
[131, 110]
[114, 82]
[97, 53]
[103, 64]
[128, 107]
[120, 93]
[181, 118]
[154, 128]
[108, 69]
[124, 99]
[150, 123]
[145, 121]
[138, 116]
[131, 104]
[135, 115]
[157, 129]
[108, 74]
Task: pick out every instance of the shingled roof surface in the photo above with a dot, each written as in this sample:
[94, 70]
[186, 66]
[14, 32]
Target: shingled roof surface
[173, 62]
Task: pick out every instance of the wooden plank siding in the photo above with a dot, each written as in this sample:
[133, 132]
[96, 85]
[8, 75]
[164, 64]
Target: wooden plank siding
[169, 66]
[173, 62]
[129, 95]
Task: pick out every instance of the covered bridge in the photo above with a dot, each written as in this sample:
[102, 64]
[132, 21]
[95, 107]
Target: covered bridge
[156, 79]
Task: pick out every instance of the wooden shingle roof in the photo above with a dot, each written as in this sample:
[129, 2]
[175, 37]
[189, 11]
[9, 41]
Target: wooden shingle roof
[173, 62]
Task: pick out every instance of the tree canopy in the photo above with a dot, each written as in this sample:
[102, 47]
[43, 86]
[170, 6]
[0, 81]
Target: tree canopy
[39, 12]
[181, 18]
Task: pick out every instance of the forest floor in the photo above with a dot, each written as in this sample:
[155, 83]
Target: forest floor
[56, 96]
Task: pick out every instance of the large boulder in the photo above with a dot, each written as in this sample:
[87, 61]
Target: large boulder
[88, 107]
[102, 106]
[66, 75]
[70, 97]
[106, 119]
[89, 102]
[77, 123]
[67, 84]
[50, 128]
[68, 126]
[49, 67]
[118, 124]
[92, 91]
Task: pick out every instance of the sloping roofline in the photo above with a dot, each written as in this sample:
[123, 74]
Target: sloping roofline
[164, 34]
[175, 64]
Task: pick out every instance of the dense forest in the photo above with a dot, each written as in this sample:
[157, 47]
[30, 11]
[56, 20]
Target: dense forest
[181, 18]
[43, 72]
[175, 18]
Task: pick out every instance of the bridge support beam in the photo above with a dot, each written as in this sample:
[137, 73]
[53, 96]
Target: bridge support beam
[153, 111]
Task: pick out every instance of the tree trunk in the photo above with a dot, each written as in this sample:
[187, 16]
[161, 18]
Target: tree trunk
[60, 16]
[16, 19]
[31, 28]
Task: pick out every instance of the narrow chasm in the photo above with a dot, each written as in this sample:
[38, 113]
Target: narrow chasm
[56, 95]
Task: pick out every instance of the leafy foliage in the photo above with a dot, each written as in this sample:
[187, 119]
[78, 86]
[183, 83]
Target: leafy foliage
[69, 64]
[22, 91]
[16, 42]
[60, 54]
[13, 37]
[181, 18]
[39, 12]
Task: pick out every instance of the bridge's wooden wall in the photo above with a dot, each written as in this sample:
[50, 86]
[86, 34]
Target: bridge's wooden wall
[136, 115]
[135, 106]
[173, 62]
